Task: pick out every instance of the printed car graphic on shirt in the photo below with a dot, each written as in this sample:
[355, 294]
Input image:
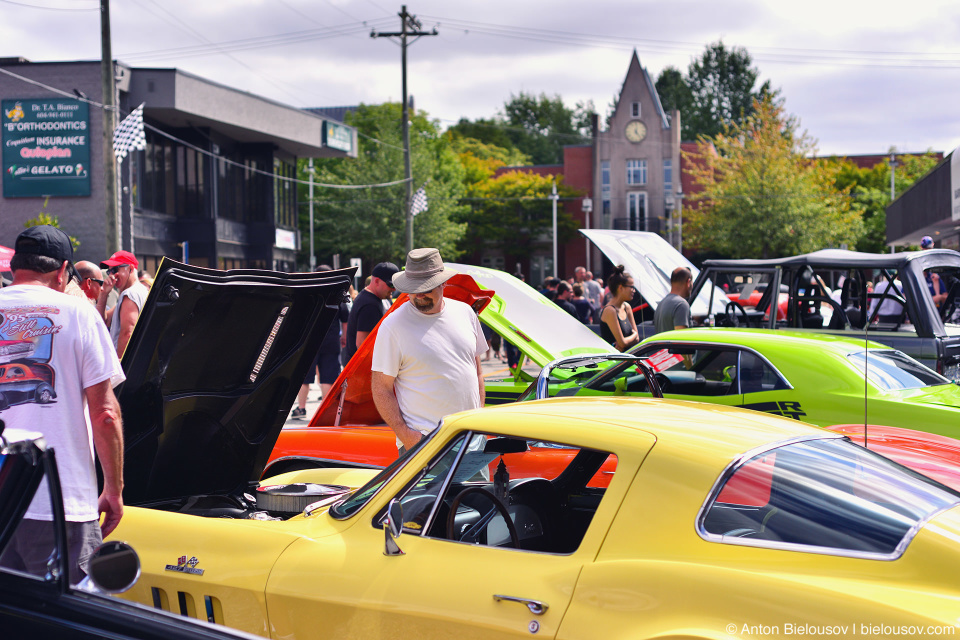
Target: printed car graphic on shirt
[20, 383]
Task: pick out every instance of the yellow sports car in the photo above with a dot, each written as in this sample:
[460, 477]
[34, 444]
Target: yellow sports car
[566, 517]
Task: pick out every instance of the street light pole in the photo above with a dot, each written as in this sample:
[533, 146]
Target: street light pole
[554, 197]
[409, 27]
[313, 258]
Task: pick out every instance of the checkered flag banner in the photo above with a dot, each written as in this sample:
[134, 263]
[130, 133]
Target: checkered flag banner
[129, 136]
[419, 202]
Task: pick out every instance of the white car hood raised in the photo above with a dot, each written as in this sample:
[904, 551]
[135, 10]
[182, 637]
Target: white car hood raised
[650, 260]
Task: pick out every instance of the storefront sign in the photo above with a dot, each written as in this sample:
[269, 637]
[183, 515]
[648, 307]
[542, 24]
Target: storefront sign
[286, 239]
[46, 148]
[337, 136]
[955, 184]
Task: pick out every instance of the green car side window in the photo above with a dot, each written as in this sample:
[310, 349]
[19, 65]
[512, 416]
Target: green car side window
[756, 375]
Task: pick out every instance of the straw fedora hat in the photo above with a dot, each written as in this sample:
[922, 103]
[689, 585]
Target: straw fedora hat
[424, 271]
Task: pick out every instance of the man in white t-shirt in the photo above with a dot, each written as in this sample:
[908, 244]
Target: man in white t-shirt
[122, 274]
[64, 381]
[426, 360]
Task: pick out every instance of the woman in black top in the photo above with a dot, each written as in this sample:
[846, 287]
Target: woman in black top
[617, 325]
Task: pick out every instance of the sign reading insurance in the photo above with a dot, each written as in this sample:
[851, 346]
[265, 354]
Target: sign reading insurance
[46, 148]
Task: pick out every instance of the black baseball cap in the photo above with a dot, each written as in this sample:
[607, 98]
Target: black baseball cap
[385, 271]
[44, 240]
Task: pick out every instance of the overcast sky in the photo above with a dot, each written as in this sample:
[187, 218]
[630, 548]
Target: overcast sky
[862, 76]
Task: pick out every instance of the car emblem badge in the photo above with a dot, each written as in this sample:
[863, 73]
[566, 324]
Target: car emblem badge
[186, 565]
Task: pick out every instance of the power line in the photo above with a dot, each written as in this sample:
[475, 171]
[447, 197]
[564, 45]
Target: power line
[37, 6]
[245, 44]
[888, 59]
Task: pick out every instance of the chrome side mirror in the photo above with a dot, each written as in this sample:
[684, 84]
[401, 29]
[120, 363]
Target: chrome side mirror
[114, 567]
[392, 526]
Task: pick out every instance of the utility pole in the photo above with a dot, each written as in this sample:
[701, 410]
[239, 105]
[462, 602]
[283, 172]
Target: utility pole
[410, 27]
[109, 85]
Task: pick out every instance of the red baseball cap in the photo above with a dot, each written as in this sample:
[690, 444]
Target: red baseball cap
[120, 257]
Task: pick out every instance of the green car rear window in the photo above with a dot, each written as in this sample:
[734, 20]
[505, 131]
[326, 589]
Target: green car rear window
[892, 370]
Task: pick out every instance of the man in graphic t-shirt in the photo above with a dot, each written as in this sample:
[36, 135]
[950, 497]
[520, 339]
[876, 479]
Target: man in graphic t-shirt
[71, 367]
[122, 275]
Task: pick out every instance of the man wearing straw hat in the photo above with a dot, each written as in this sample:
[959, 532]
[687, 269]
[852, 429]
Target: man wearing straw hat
[426, 361]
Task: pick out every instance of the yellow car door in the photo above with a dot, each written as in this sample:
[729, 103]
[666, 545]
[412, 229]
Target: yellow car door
[455, 571]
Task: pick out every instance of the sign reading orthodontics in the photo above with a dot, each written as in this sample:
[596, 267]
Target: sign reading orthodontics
[46, 148]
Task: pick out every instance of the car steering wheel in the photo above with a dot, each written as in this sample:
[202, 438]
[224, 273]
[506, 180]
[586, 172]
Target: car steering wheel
[731, 310]
[484, 520]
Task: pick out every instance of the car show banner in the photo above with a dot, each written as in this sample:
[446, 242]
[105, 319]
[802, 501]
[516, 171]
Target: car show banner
[46, 148]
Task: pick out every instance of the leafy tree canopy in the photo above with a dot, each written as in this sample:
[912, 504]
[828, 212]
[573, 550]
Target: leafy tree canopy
[717, 90]
[869, 190]
[674, 92]
[370, 223]
[512, 213]
[762, 196]
[536, 126]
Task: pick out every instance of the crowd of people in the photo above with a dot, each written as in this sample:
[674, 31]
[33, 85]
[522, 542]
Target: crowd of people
[426, 363]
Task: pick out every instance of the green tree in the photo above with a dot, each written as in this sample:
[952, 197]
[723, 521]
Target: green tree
[674, 92]
[538, 126]
[45, 218]
[762, 197]
[370, 223]
[721, 84]
[513, 213]
[869, 190]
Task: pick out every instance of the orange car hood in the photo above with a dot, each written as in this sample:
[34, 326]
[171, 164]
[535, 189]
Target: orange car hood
[350, 400]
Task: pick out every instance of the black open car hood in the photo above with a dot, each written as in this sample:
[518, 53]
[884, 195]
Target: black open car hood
[213, 366]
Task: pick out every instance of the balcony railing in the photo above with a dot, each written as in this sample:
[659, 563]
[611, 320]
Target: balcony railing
[638, 224]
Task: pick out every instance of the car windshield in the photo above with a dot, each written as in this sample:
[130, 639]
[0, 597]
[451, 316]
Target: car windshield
[355, 501]
[584, 375]
[826, 495]
[893, 370]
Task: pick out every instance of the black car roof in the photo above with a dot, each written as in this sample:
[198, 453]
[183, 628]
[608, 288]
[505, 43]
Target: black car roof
[841, 259]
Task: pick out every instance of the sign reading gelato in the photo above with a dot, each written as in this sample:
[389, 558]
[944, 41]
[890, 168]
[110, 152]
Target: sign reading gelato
[46, 147]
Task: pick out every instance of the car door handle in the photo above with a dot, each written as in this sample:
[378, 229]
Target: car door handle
[536, 607]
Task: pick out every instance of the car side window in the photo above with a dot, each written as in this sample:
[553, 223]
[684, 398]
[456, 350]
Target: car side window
[509, 492]
[822, 495]
[30, 550]
[692, 371]
[756, 375]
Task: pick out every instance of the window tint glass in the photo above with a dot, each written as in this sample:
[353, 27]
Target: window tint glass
[355, 501]
[29, 550]
[823, 493]
[895, 370]
[550, 492]
[756, 375]
[689, 371]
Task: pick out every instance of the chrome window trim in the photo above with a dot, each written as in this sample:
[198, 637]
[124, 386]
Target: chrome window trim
[728, 346]
[446, 481]
[790, 546]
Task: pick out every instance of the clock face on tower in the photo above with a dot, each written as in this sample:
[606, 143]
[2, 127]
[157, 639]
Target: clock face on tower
[636, 131]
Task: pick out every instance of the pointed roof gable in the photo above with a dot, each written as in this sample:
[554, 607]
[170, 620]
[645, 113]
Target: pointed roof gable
[636, 73]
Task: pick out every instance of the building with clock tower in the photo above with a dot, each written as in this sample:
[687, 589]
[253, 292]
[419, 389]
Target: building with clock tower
[637, 176]
[629, 175]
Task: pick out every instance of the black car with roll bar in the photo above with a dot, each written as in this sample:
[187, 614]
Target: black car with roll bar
[847, 293]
